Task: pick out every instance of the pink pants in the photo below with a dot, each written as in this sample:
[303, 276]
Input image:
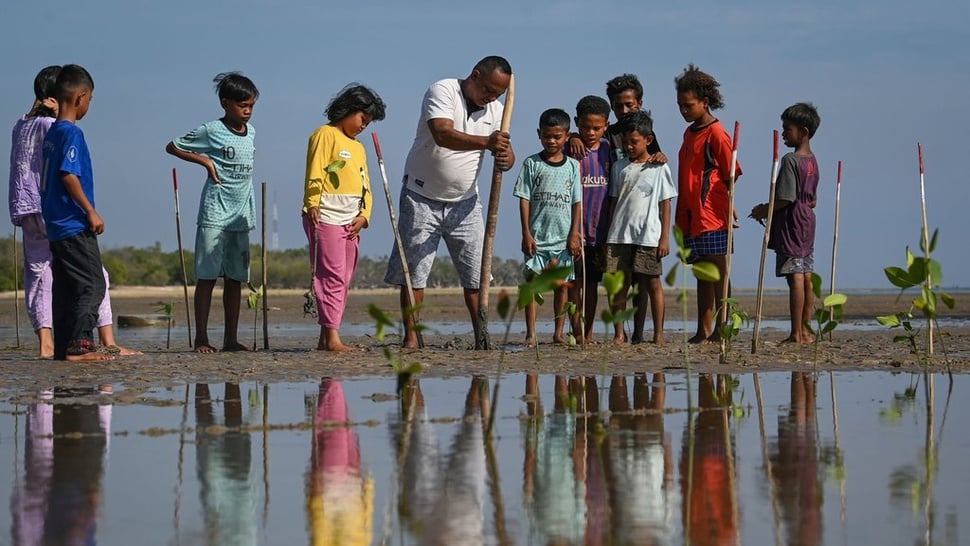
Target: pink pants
[334, 259]
[38, 283]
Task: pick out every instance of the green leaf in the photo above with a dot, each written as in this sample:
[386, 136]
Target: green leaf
[948, 300]
[251, 286]
[613, 283]
[929, 297]
[917, 270]
[706, 272]
[671, 278]
[901, 338]
[252, 301]
[833, 300]
[335, 166]
[334, 179]
[899, 277]
[606, 316]
[681, 296]
[538, 298]
[909, 257]
[679, 236]
[379, 315]
[504, 303]
[891, 321]
[623, 316]
[935, 271]
[414, 369]
[936, 233]
[817, 285]
[829, 326]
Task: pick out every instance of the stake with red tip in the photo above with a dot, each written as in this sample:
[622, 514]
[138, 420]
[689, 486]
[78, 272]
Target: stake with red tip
[775, 165]
[730, 236]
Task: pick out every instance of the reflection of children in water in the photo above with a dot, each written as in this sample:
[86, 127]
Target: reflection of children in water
[442, 497]
[65, 453]
[340, 501]
[712, 502]
[640, 469]
[223, 457]
[796, 465]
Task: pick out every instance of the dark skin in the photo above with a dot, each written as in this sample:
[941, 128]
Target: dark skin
[479, 89]
[237, 114]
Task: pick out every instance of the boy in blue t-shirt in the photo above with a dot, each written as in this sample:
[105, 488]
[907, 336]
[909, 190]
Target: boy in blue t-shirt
[550, 202]
[73, 224]
[227, 212]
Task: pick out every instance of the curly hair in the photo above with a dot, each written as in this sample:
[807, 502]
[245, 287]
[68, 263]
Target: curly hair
[802, 114]
[592, 105]
[356, 98]
[625, 82]
[701, 84]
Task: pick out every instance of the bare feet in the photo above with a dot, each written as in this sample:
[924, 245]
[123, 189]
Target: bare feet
[121, 351]
[700, 339]
[658, 339]
[530, 342]
[636, 339]
[92, 356]
[560, 339]
[235, 347]
[205, 348]
[336, 348]
[619, 339]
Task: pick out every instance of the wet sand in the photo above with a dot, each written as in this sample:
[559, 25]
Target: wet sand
[293, 358]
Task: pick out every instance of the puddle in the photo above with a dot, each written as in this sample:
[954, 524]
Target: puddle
[780, 458]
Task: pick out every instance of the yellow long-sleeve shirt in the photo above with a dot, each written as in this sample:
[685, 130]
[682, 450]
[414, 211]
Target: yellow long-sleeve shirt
[345, 193]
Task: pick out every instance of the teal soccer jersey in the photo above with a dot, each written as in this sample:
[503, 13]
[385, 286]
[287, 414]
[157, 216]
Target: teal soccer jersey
[231, 204]
[551, 190]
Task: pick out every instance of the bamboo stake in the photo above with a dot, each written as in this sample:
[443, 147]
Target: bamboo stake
[491, 220]
[16, 287]
[835, 234]
[764, 245]
[409, 287]
[185, 281]
[730, 238]
[926, 241]
[265, 277]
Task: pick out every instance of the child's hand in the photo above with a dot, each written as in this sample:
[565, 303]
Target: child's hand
[96, 222]
[577, 148]
[314, 214]
[759, 212]
[658, 158]
[51, 103]
[210, 168]
[529, 246]
[575, 245]
[356, 225]
[663, 247]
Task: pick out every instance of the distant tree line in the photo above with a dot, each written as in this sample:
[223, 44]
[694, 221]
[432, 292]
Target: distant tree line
[151, 266]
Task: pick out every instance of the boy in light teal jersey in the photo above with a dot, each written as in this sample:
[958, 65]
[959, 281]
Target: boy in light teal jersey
[550, 207]
[227, 211]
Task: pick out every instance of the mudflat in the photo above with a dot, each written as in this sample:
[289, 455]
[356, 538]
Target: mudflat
[859, 345]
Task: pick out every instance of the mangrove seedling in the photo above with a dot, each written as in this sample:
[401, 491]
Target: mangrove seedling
[383, 321]
[255, 294]
[827, 315]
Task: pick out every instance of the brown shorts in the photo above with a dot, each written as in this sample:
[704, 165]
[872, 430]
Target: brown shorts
[641, 260]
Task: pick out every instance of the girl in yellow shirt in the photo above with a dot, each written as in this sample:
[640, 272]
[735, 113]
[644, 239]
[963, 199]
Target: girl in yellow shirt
[337, 204]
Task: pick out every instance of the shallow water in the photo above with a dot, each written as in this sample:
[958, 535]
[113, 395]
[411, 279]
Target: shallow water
[843, 458]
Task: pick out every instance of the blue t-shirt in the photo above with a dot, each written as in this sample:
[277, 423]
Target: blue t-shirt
[552, 190]
[65, 151]
[229, 205]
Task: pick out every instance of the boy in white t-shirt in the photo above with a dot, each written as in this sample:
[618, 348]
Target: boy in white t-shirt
[640, 196]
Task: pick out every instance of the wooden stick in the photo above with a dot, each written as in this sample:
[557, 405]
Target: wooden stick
[926, 239]
[409, 287]
[835, 234]
[775, 163]
[185, 281]
[265, 277]
[730, 237]
[491, 221]
[16, 287]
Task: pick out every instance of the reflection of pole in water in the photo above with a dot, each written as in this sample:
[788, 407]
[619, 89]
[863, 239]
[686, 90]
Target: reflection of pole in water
[766, 458]
[181, 457]
[839, 463]
[266, 436]
[930, 451]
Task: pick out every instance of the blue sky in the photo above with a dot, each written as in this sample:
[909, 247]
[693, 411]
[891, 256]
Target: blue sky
[883, 74]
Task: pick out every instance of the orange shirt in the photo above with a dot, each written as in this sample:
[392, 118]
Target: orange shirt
[703, 173]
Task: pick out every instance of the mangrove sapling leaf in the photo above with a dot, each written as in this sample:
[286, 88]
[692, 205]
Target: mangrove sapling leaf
[671, 277]
[948, 300]
[899, 277]
[613, 283]
[922, 245]
[706, 272]
[252, 301]
[833, 300]
[504, 304]
[382, 320]
[891, 321]
[331, 171]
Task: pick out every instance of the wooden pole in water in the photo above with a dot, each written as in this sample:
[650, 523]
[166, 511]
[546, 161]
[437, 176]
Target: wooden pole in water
[730, 237]
[185, 280]
[835, 233]
[408, 286]
[491, 222]
[926, 240]
[764, 245]
[265, 277]
[16, 287]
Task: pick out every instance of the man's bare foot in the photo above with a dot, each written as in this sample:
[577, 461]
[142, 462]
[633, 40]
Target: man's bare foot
[658, 339]
[92, 356]
[410, 342]
[560, 339]
[619, 339]
[205, 348]
[636, 339]
[530, 342]
[235, 347]
[700, 339]
[808, 339]
[121, 351]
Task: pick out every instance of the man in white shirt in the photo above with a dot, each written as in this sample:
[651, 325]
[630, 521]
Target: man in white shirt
[460, 119]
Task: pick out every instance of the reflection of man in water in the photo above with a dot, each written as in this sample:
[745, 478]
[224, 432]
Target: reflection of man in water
[796, 465]
[640, 463]
[442, 498]
[223, 457]
[58, 501]
[340, 501]
[712, 502]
